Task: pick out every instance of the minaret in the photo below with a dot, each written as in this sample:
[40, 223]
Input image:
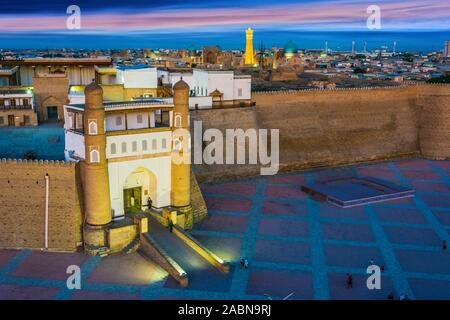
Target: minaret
[181, 156]
[97, 206]
[249, 54]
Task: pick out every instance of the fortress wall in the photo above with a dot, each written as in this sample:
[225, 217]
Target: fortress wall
[22, 210]
[434, 135]
[338, 127]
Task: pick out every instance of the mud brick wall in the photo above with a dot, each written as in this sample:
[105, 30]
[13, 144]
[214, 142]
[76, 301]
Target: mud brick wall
[22, 209]
[339, 127]
[434, 134]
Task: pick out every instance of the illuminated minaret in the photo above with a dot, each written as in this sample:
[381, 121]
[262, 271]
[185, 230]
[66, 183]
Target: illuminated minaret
[97, 206]
[249, 54]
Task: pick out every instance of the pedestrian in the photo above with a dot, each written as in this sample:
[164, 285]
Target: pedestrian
[404, 296]
[349, 281]
[170, 225]
[245, 263]
[390, 296]
[242, 262]
[149, 203]
[372, 262]
[444, 245]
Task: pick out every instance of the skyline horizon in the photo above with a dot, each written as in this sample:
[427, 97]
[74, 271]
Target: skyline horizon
[412, 40]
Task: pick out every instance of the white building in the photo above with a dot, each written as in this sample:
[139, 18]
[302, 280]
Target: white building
[224, 87]
[140, 76]
[138, 151]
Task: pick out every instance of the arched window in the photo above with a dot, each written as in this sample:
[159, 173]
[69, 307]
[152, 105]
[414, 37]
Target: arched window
[178, 121]
[134, 146]
[95, 156]
[93, 127]
[124, 147]
[113, 148]
[144, 145]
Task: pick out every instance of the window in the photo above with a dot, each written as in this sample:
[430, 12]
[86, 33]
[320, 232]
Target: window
[113, 148]
[240, 92]
[93, 127]
[144, 145]
[2, 120]
[124, 147]
[79, 121]
[26, 120]
[140, 119]
[154, 144]
[134, 146]
[118, 121]
[95, 156]
[178, 121]
[163, 143]
[25, 102]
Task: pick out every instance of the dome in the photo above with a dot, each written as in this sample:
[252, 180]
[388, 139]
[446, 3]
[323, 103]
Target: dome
[181, 85]
[290, 47]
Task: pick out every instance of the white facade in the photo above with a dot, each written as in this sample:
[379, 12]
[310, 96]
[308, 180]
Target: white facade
[203, 82]
[195, 102]
[152, 172]
[145, 77]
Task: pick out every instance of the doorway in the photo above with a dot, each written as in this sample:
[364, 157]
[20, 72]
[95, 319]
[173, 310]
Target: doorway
[11, 121]
[52, 114]
[132, 199]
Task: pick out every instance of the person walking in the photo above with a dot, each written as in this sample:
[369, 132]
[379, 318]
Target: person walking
[349, 281]
[170, 225]
[149, 203]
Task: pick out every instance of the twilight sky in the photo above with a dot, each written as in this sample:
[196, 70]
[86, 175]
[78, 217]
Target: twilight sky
[147, 16]
[176, 23]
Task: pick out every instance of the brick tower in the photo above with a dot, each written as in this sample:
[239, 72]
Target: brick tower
[97, 204]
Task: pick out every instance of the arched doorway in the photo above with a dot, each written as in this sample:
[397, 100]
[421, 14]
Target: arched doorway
[139, 186]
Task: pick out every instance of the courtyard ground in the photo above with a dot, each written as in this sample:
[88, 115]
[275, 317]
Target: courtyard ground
[293, 243]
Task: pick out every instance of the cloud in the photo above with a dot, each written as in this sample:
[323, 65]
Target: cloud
[309, 15]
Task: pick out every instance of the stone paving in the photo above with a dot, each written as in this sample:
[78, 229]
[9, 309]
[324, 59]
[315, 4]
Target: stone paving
[293, 243]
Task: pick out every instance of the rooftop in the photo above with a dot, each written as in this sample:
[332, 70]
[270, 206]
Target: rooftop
[135, 67]
[16, 91]
[135, 104]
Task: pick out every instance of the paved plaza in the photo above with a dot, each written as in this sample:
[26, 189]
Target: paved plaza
[293, 243]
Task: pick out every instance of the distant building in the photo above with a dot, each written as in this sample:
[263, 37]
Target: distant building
[210, 55]
[447, 49]
[17, 107]
[79, 71]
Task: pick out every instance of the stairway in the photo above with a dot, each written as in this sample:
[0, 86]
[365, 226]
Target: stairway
[175, 256]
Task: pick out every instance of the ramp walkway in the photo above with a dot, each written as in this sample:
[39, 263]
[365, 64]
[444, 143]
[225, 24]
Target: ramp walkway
[183, 258]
